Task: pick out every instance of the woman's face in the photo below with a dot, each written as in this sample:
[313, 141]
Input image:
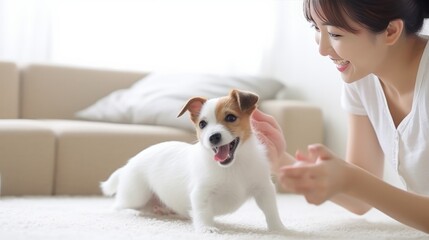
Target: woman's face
[355, 55]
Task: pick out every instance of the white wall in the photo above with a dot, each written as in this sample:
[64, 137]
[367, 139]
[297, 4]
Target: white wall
[215, 36]
[309, 76]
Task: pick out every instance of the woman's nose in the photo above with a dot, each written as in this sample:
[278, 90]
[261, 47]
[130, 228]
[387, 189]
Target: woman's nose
[324, 44]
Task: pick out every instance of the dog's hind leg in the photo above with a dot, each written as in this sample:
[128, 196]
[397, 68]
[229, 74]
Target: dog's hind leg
[156, 207]
[133, 191]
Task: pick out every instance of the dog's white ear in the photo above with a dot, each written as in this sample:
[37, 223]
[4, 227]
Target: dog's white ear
[194, 106]
[246, 100]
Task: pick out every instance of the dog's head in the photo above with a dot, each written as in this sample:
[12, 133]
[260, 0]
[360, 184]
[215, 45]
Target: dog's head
[222, 123]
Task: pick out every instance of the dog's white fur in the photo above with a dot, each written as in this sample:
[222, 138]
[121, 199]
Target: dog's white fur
[186, 178]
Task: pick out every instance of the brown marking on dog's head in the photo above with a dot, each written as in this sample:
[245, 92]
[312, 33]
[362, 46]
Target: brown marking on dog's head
[234, 112]
[194, 106]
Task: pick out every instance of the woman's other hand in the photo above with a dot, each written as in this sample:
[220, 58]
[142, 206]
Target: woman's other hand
[318, 175]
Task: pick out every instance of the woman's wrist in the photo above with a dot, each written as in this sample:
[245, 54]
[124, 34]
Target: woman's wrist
[283, 159]
[351, 178]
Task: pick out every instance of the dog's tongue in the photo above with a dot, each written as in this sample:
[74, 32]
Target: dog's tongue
[222, 153]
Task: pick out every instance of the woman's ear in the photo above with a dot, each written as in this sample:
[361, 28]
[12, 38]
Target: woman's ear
[394, 31]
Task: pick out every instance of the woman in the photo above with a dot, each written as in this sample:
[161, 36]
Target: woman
[385, 66]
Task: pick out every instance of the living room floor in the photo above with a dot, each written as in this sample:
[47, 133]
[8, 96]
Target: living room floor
[92, 218]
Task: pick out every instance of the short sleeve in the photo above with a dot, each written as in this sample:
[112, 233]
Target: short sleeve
[351, 99]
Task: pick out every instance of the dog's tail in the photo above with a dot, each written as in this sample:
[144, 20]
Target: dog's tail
[110, 186]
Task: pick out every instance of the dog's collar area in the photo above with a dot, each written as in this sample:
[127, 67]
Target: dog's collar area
[225, 154]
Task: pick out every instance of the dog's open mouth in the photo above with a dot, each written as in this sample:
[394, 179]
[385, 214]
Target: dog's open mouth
[225, 154]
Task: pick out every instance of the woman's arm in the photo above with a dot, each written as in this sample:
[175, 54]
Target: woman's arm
[409, 208]
[329, 176]
[358, 185]
[363, 150]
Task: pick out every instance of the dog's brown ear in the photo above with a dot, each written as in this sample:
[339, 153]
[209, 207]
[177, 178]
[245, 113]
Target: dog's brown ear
[246, 100]
[194, 106]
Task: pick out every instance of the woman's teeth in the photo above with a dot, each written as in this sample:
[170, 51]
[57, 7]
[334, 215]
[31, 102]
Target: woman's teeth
[342, 65]
[341, 62]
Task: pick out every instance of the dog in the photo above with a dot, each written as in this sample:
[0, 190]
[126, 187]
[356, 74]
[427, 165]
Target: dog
[214, 176]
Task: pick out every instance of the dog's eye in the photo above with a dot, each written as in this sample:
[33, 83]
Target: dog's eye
[203, 124]
[230, 118]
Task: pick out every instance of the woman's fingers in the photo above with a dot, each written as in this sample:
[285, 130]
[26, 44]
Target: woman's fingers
[269, 132]
[320, 151]
[314, 152]
[297, 179]
[293, 171]
[303, 157]
[259, 116]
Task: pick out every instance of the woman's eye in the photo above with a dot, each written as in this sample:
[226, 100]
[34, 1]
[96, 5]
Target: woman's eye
[333, 35]
[230, 118]
[316, 28]
[202, 124]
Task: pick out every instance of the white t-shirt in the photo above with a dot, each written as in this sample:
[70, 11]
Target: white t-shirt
[405, 147]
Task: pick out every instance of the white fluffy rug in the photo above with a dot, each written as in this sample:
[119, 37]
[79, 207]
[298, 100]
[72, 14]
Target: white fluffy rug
[92, 218]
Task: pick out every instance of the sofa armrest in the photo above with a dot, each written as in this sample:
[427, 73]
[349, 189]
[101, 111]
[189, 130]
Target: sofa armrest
[301, 122]
[9, 90]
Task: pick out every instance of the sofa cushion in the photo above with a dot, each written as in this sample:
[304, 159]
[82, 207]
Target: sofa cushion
[158, 98]
[57, 92]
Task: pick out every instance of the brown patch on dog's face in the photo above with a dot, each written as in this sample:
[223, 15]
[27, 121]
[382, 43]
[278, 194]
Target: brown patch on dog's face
[235, 119]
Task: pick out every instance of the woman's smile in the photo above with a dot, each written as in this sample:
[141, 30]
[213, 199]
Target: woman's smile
[341, 64]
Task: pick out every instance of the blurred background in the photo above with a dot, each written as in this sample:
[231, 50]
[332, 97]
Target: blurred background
[260, 37]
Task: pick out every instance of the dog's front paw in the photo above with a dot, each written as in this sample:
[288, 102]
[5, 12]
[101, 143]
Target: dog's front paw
[206, 229]
[276, 228]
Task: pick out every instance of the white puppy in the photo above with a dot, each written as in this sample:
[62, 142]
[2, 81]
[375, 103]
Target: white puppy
[212, 177]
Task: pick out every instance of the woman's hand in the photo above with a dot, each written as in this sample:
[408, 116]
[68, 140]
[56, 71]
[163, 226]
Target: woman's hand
[271, 135]
[318, 175]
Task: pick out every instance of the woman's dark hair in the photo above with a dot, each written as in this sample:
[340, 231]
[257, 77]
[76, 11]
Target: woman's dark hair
[374, 15]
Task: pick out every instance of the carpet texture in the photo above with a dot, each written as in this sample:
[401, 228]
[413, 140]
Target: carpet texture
[92, 218]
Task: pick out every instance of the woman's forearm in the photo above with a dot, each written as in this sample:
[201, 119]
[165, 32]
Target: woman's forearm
[408, 208]
[352, 204]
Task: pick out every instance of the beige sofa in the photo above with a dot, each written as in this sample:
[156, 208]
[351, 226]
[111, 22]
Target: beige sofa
[44, 150]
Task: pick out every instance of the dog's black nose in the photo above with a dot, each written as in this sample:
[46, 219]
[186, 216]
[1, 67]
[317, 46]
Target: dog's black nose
[215, 138]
